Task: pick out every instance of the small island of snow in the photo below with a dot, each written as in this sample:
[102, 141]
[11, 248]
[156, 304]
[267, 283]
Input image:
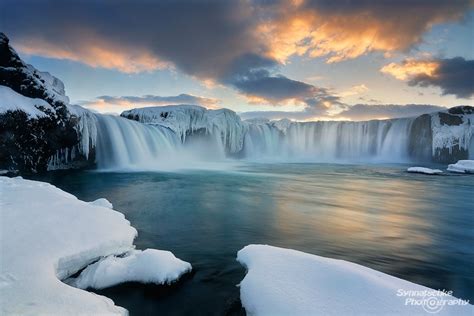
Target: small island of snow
[424, 170]
[462, 166]
[47, 235]
[289, 282]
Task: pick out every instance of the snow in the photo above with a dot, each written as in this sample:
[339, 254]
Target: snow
[424, 170]
[288, 282]
[462, 166]
[54, 87]
[148, 266]
[13, 101]
[187, 119]
[102, 202]
[47, 235]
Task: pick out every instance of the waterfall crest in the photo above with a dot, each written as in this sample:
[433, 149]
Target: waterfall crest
[328, 141]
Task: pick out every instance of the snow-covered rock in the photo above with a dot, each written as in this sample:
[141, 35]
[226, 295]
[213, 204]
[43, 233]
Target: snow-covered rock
[13, 101]
[289, 282]
[424, 170]
[46, 236]
[185, 120]
[147, 266]
[453, 133]
[462, 166]
[36, 126]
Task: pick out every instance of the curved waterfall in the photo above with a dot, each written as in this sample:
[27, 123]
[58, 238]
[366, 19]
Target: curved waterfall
[328, 141]
[115, 142]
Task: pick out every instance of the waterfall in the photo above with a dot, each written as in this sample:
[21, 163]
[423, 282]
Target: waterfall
[328, 141]
[125, 144]
[196, 140]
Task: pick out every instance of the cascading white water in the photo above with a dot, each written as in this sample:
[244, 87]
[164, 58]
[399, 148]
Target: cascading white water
[123, 143]
[126, 144]
[327, 141]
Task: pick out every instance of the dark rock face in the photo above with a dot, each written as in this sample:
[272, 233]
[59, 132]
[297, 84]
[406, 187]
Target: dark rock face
[448, 119]
[27, 143]
[463, 109]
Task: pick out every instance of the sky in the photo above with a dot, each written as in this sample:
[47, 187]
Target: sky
[301, 59]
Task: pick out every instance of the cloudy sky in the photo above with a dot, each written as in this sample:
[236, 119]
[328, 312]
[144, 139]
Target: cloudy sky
[301, 59]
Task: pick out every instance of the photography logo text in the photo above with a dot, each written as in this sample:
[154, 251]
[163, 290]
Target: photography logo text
[432, 301]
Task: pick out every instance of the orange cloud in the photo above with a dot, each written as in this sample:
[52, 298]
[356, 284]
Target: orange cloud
[339, 34]
[411, 68]
[354, 90]
[96, 53]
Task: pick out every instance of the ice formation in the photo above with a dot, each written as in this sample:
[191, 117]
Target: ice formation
[47, 236]
[289, 282]
[462, 166]
[424, 170]
[185, 120]
[147, 266]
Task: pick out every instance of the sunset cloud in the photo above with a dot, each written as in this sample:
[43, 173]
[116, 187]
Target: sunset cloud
[96, 53]
[452, 75]
[341, 30]
[237, 44]
[118, 104]
[411, 68]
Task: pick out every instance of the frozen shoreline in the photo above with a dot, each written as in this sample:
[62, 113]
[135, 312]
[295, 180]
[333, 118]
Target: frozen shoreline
[49, 235]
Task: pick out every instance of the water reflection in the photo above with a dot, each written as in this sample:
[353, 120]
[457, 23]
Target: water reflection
[412, 226]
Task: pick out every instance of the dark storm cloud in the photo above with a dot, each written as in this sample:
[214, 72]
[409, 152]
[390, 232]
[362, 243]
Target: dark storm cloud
[454, 76]
[237, 43]
[200, 38]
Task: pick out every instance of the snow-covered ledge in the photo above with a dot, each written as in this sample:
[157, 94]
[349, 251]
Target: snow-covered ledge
[288, 282]
[46, 235]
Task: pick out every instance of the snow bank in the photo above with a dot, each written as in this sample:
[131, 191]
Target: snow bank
[289, 282]
[148, 266]
[424, 170]
[46, 236]
[462, 166]
[13, 101]
[187, 119]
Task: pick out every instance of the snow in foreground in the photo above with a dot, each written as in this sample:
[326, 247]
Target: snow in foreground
[462, 166]
[47, 235]
[424, 170]
[148, 266]
[288, 282]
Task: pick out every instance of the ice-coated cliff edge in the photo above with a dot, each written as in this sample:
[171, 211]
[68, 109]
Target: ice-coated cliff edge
[186, 120]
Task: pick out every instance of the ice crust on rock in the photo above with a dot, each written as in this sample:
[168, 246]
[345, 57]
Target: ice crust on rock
[184, 120]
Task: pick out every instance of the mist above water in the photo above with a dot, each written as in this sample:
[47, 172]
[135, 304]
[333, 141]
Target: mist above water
[124, 144]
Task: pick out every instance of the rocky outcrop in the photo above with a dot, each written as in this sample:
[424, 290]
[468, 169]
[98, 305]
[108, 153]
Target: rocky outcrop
[27, 142]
